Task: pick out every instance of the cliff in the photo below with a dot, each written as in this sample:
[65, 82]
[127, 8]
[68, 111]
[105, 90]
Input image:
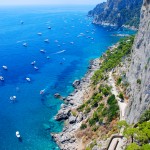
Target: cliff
[117, 13]
[139, 71]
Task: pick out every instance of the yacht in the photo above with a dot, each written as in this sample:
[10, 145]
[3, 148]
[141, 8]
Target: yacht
[5, 67]
[46, 40]
[18, 134]
[42, 92]
[36, 68]
[42, 51]
[39, 33]
[13, 98]
[1, 78]
[71, 42]
[28, 79]
[25, 44]
[33, 63]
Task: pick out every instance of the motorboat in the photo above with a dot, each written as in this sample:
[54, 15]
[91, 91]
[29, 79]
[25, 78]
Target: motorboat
[5, 67]
[49, 27]
[18, 134]
[46, 40]
[48, 57]
[28, 79]
[36, 68]
[39, 33]
[13, 98]
[25, 44]
[1, 78]
[33, 63]
[42, 51]
[71, 42]
[42, 92]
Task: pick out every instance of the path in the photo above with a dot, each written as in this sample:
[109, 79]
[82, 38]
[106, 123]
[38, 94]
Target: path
[122, 105]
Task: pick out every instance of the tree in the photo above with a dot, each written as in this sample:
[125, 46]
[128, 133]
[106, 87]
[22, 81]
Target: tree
[133, 146]
[122, 123]
[130, 132]
[145, 116]
[146, 147]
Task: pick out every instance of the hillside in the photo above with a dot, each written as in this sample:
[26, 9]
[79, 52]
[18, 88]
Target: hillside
[117, 13]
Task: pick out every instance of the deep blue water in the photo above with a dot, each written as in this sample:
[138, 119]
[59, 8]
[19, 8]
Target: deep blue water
[67, 62]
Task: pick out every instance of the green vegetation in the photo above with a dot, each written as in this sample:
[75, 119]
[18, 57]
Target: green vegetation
[105, 90]
[138, 81]
[83, 126]
[113, 58]
[139, 134]
[119, 80]
[91, 145]
[113, 108]
[121, 96]
[110, 112]
[145, 116]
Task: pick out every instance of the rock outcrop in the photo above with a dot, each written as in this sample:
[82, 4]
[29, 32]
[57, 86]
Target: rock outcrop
[66, 139]
[139, 71]
[117, 13]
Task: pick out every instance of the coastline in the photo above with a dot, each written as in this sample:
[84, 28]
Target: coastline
[67, 139]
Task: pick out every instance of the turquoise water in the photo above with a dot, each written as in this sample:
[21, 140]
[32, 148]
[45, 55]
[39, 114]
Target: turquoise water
[31, 111]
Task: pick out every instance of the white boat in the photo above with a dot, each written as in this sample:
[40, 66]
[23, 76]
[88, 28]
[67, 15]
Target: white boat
[48, 57]
[33, 63]
[5, 67]
[49, 27]
[71, 42]
[42, 51]
[36, 68]
[25, 44]
[18, 134]
[46, 40]
[42, 91]
[28, 79]
[1, 78]
[39, 33]
[13, 98]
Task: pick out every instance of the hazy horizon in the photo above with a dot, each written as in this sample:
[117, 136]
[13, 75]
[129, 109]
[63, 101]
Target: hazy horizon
[49, 2]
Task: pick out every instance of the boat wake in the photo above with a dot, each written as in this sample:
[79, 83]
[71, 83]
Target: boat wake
[59, 52]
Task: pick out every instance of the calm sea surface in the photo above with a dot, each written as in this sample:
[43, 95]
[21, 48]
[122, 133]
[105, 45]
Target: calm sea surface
[73, 42]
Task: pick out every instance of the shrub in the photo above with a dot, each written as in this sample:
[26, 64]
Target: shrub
[87, 110]
[138, 81]
[145, 116]
[83, 126]
[91, 122]
[121, 96]
[74, 113]
[133, 146]
[119, 80]
[81, 107]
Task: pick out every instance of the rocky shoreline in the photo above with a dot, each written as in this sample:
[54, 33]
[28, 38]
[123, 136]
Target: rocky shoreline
[83, 90]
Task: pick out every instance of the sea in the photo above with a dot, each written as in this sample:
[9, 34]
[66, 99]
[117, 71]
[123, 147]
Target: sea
[72, 42]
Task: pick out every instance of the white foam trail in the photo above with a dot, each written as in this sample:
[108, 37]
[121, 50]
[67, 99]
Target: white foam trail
[60, 52]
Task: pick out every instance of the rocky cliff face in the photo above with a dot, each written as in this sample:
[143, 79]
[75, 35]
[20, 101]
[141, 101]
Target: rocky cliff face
[117, 13]
[139, 71]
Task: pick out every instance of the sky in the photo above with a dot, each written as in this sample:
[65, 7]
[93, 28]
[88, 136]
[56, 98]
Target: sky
[49, 2]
